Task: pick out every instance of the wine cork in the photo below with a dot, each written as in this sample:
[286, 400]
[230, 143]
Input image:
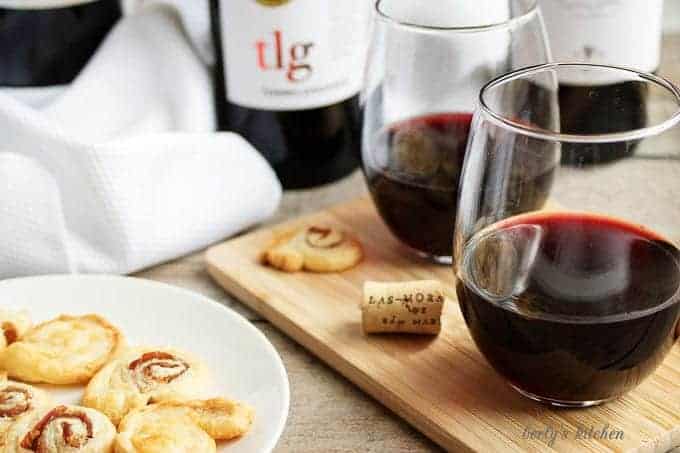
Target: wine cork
[407, 307]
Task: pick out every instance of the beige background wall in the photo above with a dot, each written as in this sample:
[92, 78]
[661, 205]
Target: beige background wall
[672, 16]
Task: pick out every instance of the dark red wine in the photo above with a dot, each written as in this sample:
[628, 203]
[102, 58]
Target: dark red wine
[290, 90]
[601, 109]
[416, 192]
[571, 307]
[414, 179]
[49, 46]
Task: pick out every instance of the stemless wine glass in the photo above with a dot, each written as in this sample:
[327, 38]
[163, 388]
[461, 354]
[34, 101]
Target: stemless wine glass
[425, 68]
[567, 265]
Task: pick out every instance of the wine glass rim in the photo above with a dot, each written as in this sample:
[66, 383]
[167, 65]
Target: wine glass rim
[611, 137]
[385, 17]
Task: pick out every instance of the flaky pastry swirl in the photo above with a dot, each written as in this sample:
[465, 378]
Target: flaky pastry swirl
[13, 325]
[183, 426]
[315, 249]
[59, 429]
[16, 400]
[65, 350]
[155, 368]
[144, 375]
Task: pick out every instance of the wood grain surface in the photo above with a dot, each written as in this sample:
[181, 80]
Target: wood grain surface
[442, 386]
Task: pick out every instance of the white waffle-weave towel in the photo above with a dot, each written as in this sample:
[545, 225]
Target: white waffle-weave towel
[122, 169]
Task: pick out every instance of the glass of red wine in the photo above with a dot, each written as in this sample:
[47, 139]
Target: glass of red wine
[425, 69]
[568, 270]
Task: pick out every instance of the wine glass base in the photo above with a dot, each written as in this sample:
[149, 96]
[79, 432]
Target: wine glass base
[443, 260]
[561, 403]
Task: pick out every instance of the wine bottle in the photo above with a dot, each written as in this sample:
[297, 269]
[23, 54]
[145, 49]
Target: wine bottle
[287, 77]
[614, 32]
[48, 42]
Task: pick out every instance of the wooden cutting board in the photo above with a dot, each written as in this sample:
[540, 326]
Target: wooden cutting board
[442, 385]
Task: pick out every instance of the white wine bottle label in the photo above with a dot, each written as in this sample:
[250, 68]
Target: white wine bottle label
[613, 32]
[41, 4]
[293, 54]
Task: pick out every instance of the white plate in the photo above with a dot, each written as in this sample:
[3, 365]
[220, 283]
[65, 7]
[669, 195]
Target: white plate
[244, 364]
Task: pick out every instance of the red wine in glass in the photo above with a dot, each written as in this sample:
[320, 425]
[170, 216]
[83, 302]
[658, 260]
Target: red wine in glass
[414, 179]
[568, 306]
[416, 186]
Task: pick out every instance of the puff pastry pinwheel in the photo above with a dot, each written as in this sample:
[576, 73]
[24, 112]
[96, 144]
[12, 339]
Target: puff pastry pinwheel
[314, 249]
[13, 325]
[179, 426]
[65, 350]
[145, 375]
[221, 418]
[16, 400]
[155, 429]
[61, 429]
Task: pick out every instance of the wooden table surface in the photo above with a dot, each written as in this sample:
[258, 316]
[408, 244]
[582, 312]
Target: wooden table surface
[328, 413]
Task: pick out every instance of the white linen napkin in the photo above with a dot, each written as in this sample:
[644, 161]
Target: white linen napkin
[195, 16]
[121, 171]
